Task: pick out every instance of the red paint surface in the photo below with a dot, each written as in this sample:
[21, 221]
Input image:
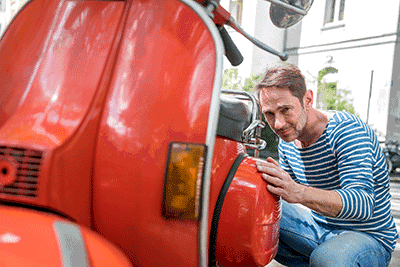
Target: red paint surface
[94, 92]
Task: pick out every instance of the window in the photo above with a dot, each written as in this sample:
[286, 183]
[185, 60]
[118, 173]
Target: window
[334, 11]
[2, 5]
[236, 10]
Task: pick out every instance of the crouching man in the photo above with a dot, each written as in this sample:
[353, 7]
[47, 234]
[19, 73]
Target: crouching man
[332, 177]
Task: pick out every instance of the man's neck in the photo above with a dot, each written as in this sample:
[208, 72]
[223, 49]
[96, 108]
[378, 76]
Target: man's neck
[313, 130]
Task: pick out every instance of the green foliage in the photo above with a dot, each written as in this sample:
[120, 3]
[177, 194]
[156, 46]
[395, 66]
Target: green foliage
[251, 82]
[233, 81]
[330, 97]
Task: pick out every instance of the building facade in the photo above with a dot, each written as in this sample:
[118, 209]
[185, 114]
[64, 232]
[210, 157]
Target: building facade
[8, 9]
[253, 16]
[354, 44]
[348, 46]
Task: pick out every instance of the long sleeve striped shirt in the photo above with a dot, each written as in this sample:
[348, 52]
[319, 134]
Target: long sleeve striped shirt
[347, 158]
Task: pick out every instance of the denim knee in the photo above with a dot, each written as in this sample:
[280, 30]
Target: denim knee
[367, 258]
[350, 249]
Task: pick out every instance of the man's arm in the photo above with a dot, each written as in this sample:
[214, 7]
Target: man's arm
[326, 202]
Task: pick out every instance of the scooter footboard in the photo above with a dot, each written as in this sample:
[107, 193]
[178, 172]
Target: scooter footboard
[33, 238]
[248, 226]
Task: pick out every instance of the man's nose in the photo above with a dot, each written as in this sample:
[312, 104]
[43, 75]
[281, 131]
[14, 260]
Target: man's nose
[279, 122]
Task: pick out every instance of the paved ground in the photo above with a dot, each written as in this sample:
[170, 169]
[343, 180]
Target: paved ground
[395, 191]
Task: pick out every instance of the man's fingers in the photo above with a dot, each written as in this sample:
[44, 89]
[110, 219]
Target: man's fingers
[274, 190]
[271, 160]
[274, 181]
[263, 165]
[270, 168]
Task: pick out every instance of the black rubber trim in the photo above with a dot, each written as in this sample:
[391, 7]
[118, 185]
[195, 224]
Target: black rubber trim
[212, 260]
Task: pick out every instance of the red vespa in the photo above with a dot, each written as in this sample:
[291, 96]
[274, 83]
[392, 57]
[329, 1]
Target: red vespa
[117, 147]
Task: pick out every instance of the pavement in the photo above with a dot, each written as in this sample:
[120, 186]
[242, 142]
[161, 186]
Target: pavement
[395, 191]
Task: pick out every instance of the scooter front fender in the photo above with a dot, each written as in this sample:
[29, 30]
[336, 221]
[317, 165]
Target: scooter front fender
[34, 238]
[246, 220]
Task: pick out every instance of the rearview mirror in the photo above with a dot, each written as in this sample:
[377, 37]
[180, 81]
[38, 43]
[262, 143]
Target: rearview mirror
[285, 13]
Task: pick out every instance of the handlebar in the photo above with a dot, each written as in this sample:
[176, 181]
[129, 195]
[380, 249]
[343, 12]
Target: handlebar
[231, 51]
[222, 17]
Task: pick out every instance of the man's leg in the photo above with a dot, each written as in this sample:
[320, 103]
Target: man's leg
[302, 241]
[299, 235]
[289, 257]
[350, 249]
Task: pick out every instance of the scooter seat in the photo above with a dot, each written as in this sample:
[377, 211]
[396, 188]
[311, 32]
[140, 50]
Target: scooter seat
[234, 117]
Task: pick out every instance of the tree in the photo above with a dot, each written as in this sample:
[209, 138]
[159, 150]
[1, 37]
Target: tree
[329, 96]
[233, 81]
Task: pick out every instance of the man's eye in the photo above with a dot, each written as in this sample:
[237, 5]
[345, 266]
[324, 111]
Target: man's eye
[284, 110]
[268, 114]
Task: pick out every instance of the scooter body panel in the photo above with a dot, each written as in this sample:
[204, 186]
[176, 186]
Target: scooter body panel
[53, 91]
[92, 95]
[160, 93]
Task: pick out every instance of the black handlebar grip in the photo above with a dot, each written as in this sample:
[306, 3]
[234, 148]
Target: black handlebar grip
[231, 51]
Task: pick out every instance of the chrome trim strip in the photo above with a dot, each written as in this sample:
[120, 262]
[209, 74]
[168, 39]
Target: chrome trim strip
[72, 246]
[211, 128]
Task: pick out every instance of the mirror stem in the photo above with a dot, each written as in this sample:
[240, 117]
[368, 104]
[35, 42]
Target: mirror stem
[232, 23]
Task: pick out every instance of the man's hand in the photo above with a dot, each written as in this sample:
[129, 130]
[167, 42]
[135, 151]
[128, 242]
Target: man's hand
[279, 182]
[326, 202]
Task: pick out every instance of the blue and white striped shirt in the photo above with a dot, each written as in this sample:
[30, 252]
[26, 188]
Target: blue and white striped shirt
[347, 158]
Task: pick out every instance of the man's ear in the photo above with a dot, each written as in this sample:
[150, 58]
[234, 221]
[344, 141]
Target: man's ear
[308, 99]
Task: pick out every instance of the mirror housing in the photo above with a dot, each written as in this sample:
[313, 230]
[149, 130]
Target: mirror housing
[285, 13]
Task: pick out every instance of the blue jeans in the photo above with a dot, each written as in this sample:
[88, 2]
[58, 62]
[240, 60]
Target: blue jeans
[304, 242]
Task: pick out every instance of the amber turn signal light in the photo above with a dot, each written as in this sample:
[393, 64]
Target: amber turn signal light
[183, 181]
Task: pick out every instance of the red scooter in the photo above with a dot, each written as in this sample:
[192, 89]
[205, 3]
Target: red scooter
[117, 147]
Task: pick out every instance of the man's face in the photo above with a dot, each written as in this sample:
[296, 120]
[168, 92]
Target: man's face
[284, 112]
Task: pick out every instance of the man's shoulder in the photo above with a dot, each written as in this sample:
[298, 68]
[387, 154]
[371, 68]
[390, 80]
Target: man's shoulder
[343, 117]
[346, 127]
[342, 120]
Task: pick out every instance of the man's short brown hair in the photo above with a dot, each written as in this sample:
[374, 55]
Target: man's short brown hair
[284, 76]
